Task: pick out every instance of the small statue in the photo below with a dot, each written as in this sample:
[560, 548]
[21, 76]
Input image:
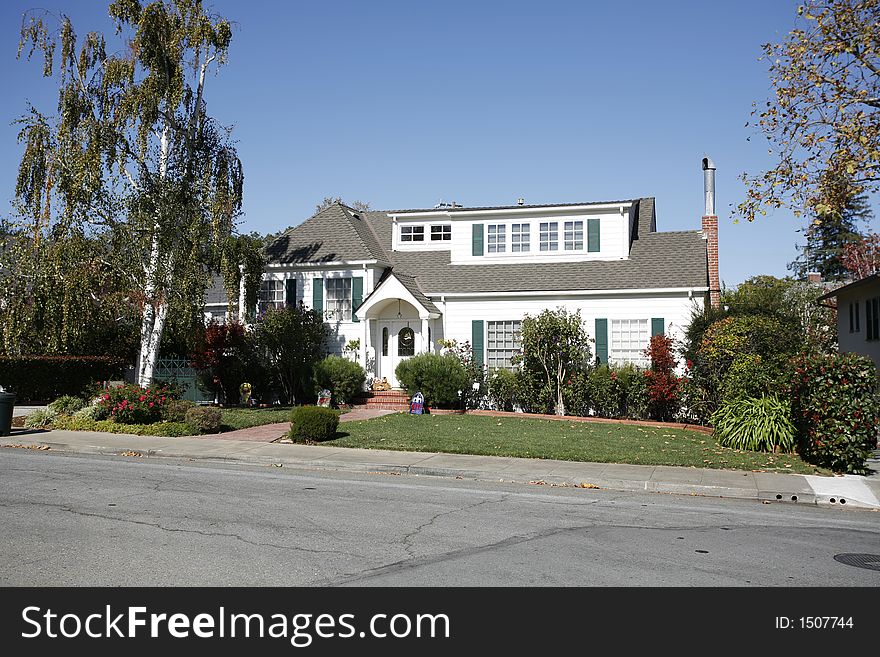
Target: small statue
[381, 385]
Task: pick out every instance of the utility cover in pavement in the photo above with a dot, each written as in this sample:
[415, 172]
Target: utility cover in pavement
[868, 561]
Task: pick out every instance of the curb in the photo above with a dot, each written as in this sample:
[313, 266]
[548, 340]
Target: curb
[848, 491]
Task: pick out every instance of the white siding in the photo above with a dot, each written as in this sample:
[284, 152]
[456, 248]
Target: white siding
[675, 309]
[857, 342]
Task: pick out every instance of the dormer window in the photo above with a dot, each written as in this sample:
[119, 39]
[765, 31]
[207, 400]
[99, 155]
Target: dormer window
[496, 242]
[441, 232]
[549, 236]
[412, 233]
[574, 235]
[519, 238]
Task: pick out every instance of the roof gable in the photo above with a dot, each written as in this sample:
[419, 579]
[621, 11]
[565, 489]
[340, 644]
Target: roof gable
[335, 234]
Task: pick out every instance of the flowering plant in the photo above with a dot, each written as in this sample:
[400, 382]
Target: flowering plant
[131, 404]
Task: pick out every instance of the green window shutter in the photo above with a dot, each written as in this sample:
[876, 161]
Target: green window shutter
[357, 295]
[318, 294]
[477, 238]
[601, 341]
[477, 342]
[593, 235]
[657, 326]
[290, 291]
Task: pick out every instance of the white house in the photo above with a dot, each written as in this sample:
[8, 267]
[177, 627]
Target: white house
[400, 281]
[858, 317]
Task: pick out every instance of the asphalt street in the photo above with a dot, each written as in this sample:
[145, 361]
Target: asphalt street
[128, 521]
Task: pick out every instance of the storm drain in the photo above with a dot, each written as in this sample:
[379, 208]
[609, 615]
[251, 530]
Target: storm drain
[868, 561]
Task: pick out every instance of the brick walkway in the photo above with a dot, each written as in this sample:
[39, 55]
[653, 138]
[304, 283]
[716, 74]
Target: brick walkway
[268, 433]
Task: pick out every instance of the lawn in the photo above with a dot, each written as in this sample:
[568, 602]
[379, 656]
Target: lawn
[242, 418]
[554, 439]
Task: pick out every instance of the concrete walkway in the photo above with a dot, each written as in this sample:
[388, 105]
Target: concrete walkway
[847, 491]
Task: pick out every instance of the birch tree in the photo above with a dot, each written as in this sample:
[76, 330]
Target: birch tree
[132, 155]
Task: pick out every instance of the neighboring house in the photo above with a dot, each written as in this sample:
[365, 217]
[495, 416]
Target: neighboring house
[858, 316]
[400, 281]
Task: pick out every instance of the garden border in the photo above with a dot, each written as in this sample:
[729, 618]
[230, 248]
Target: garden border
[599, 420]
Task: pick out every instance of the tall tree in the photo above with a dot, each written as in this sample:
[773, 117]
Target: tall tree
[822, 121]
[826, 238]
[132, 154]
[862, 258]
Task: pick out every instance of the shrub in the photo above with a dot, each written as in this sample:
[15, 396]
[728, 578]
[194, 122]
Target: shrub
[602, 396]
[88, 413]
[630, 386]
[174, 410]
[67, 404]
[663, 394]
[746, 377]
[473, 393]
[41, 419]
[503, 389]
[576, 393]
[131, 404]
[535, 395]
[171, 429]
[313, 424]
[40, 378]
[836, 410]
[439, 378]
[203, 419]
[343, 377]
[757, 424]
[220, 359]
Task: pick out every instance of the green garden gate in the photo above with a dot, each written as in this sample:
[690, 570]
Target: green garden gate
[179, 370]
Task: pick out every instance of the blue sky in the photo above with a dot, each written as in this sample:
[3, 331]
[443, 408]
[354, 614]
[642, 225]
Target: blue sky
[404, 104]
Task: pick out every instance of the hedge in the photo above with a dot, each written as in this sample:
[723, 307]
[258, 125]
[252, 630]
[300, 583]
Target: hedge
[313, 424]
[44, 378]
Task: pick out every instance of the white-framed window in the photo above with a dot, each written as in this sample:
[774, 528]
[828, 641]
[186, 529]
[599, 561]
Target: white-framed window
[549, 236]
[412, 233]
[503, 341]
[441, 232]
[271, 294]
[337, 306]
[574, 235]
[519, 238]
[629, 339]
[496, 242]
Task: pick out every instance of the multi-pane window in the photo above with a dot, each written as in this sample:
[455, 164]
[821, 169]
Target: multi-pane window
[338, 299]
[519, 238]
[629, 339]
[574, 235]
[412, 233]
[496, 241]
[503, 342]
[549, 236]
[271, 294]
[441, 232]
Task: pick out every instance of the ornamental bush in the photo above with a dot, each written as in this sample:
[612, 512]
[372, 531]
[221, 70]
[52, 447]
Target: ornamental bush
[174, 410]
[67, 404]
[441, 379]
[757, 424]
[836, 410]
[663, 385]
[131, 404]
[503, 389]
[343, 377]
[601, 392]
[203, 419]
[41, 419]
[313, 424]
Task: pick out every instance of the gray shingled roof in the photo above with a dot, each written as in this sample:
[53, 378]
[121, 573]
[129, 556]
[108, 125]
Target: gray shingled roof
[657, 260]
[333, 234]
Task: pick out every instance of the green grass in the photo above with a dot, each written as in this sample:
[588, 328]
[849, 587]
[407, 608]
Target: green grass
[243, 418]
[554, 439]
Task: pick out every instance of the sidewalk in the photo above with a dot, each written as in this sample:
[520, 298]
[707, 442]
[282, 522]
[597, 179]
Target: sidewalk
[849, 491]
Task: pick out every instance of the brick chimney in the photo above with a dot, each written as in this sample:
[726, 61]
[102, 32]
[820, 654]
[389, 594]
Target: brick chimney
[814, 277]
[710, 232]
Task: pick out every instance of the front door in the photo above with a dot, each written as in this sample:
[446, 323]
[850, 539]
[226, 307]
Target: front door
[397, 342]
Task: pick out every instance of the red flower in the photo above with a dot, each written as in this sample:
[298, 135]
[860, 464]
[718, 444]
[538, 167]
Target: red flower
[143, 397]
[151, 404]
